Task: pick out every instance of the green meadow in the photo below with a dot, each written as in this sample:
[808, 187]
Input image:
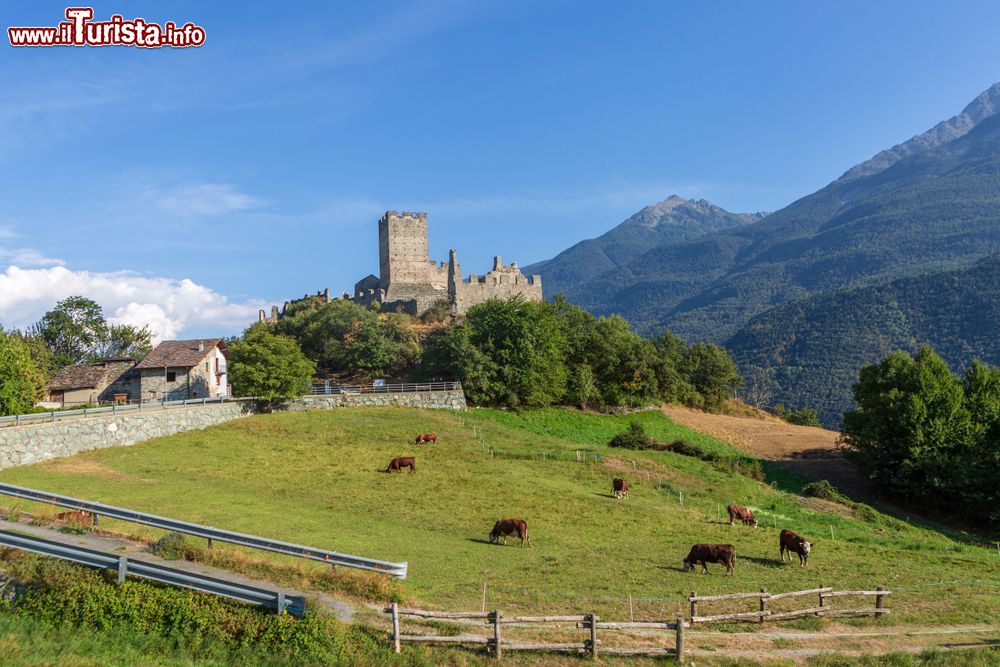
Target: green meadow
[317, 478]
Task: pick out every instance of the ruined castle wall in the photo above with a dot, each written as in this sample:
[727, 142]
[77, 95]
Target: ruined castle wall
[497, 286]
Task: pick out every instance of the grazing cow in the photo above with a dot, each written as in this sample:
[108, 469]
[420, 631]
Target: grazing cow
[794, 543]
[427, 437]
[510, 528]
[619, 487]
[401, 462]
[724, 554]
[741, 514]
[82, 517]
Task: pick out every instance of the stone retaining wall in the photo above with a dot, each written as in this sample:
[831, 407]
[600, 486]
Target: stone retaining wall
[24, 445]
[435, 400]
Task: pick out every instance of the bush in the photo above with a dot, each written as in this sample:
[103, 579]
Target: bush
[58, 593]
[635, 438]
[172, 546]
[824, 490]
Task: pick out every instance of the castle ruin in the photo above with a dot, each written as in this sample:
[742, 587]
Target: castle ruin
[410, 281]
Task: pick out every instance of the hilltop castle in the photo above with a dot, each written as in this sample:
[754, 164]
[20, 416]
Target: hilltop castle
[410, 281]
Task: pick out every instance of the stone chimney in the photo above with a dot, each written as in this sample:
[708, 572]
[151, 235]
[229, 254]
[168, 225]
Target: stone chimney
[201, 346]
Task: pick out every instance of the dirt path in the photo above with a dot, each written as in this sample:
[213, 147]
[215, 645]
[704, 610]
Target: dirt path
[805, 450]
[342, 609]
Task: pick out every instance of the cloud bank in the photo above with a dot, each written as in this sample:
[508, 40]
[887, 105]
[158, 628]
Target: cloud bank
[167, 305]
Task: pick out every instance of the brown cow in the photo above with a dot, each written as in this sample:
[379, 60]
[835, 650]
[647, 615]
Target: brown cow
[743, 514]
[401, 462]
[82, 517]
[510, 527]
[793, 542]
[724, 554]
[427, 437]
[619, 487]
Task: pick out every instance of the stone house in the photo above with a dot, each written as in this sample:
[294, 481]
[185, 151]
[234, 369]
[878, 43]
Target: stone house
[101, 381]
[183, 369]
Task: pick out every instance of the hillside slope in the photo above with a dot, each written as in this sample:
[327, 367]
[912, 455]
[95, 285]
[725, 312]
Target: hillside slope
[316, 478]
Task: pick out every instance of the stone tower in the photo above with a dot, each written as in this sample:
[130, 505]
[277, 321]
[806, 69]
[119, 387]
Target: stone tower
[404, 257]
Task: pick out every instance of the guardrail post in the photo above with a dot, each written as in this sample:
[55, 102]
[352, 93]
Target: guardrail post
[878, 601]
[496, 634]
[17, 420]
[763, 603]
[53, 415]
[395, 627]
[97, 518]
[210, 543]
[694, 606]
[122, 569]
[680, 640]
[281, 603]
[593, 636]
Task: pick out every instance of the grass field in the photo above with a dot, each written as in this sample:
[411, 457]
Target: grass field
[315, 478]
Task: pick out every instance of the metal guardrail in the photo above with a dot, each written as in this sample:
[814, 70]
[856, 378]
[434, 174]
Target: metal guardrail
[398, 570]
[325, 388]
[275, 600]
[83, 413]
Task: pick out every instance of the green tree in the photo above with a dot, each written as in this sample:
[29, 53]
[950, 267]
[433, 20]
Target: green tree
[269, 366]
[123, 340]
[911, 426]
[580, 389]
[519, 354]
[712, 373]
[72, 329]
[21, 381]
[343, 337]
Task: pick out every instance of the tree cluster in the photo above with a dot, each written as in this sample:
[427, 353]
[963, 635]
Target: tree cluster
[74, 331]
[515, 353]
[926, 435]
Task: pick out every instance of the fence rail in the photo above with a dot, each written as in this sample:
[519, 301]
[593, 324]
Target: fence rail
[124, 565]
[764, 614]
[83, 413]
[398, 570]
[326, 389]
[497, 643]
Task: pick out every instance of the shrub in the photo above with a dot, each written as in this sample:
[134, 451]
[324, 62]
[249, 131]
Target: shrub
[172, 546]
[635, 438]
[824, 490]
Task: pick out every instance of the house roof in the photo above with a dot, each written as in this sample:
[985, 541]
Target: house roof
[86, 376]
[181, 353]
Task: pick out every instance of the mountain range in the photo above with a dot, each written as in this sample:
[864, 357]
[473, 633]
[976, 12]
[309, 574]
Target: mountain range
[869, 263]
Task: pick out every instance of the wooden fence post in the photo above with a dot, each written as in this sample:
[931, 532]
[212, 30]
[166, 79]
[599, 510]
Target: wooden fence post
[395, 627]
[878, 601]
[593, 636]
[822, 600]
[680, 640]
[496, 633]
[763, 603]
[694, 606]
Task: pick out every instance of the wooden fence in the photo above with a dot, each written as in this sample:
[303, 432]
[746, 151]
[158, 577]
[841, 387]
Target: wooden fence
[496, 642]
[764, 598]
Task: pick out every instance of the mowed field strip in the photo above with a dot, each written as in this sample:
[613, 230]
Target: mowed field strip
[317, 478]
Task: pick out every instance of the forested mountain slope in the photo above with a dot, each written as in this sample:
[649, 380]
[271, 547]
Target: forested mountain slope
[812, 349]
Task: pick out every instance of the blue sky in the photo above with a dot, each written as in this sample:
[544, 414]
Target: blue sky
[188, 187]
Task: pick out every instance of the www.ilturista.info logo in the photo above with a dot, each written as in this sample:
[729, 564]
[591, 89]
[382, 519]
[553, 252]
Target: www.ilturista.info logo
[81, 30]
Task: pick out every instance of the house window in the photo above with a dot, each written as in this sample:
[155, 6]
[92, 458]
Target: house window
[171, 376]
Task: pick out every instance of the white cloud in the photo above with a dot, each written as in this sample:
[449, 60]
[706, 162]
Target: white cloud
[168, 306]
[201, 199]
